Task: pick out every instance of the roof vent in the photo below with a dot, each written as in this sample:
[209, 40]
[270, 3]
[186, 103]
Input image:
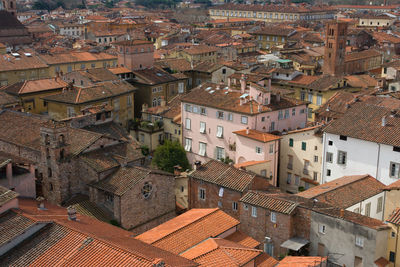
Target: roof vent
[15, 54]
[28, 54]
[212, 91]
[159, 74]
[383, 121]
[208, 88]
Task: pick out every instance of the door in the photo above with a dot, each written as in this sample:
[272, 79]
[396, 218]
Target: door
[358, 262]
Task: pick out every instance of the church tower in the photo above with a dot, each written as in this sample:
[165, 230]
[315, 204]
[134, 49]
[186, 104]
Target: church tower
[335, 48]
[10, 6]
[54, 137]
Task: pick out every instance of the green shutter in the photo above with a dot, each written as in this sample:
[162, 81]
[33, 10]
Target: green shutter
[291, 142]
[303, 146]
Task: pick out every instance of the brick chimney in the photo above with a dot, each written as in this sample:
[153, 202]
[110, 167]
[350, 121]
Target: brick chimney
[243, 83]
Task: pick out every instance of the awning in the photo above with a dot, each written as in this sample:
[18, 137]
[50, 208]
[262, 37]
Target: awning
[295, 243]
[283, 60]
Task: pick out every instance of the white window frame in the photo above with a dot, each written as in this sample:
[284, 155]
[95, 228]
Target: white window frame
[203, 128]
[188, 123]
[202, 194]
[329, 157]
[271, 149]
[254, 211]
[235, 206]
[219, 153]
[322, 229]
[394, 172]
[202, 149]
[359, 241]
[258, 150]
[342, 157]
[188, 144]
[273, 217]
[244, 119]
[220, 131]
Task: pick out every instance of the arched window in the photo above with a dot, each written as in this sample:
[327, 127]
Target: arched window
[159, 101]
[154, 102]
[147, 189]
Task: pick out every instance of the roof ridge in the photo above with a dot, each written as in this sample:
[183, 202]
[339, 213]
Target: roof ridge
[22, 87]
[78, 95]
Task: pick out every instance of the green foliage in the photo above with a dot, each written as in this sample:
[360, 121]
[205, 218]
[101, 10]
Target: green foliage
[145, 150]
[157, 3]
[109, 4]
[206, 2]
[169, 155]
[226, 160]
[301, 188]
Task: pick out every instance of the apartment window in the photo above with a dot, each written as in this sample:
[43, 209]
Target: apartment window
[315, 176]
[296, 180]
[220, 153]
[273, 217]
[289, 178]
[234, 206]
[319, 100]
[394, 170]
[220, 131]
[83, 66]
[188, 107]
[328, 172]
[230, 117]
[154, 102]
[195, 109]
[322, 229]
[359, 241]
[220, 115]
[315, 158]
[181, 88]
[202, 193]
[290, 162]
[329, 157]
[343, 137]
[188, 124]
[303, 95]
[263, 173]
[280, 115]
[310, 97]
[69, 69]
[129, 101]
[271, 148]
[291, 142]
[342, 157]
[330, 143]
[244, 120]
[203, 111]
[188, 144]
[392, 256]
[272, 126]
[379, 207]
[368, 209]
[202, 127]
[258, 150]
[309, 110]
[303, 146]
[202, 148]
[253, 211]
[293, 112]
[286, 113]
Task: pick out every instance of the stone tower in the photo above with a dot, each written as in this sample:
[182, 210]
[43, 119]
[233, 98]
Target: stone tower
[335, 48]
[56, 185]
[135, 54]
[10, 6]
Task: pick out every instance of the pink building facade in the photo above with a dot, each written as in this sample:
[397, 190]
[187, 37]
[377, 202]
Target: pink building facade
[210, 115]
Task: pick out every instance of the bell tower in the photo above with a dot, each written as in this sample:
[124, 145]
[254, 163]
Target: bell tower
[10, 6]
[335, 48]
[54, 137]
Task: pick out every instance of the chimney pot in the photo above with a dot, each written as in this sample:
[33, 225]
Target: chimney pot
[197, 165]
[247, 130]
[383, 121]
[71, 213]
[342, 213]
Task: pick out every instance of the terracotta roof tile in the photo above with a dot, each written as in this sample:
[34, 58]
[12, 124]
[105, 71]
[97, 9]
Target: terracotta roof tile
[395, 217]
[257, 135]
[6, 195]
[368, 124]
[88, 242]
[362, 55]
[219, 252]
[243, 239]
[298, 261]
[189, 229]
[269, 201]
[265, 260]
[346, 191]
[153, 76]
[12, 225]
[224, 175]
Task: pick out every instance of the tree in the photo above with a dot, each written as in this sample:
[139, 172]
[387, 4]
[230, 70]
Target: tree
[170, 154]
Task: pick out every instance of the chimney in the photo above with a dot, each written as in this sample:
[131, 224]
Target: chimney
[243, 83]
[278, 97]
[341, 213]
[71, 213]
[247, 130]
[197, 165]
[40, 203]
[177, 170]
[383, 121]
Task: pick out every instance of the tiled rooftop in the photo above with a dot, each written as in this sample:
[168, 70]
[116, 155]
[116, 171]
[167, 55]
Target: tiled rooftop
[346, 191]
[183, 232]
[258, 136]
[269, 201]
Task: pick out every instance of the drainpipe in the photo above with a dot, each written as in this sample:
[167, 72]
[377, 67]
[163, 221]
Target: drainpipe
[323, 157]
[377, 162]
[395, 248]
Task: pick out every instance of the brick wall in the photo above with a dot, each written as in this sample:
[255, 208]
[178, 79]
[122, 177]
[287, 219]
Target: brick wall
[136, 210]
[212, 197]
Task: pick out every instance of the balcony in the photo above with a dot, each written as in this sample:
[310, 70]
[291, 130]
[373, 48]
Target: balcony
[305, 171]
